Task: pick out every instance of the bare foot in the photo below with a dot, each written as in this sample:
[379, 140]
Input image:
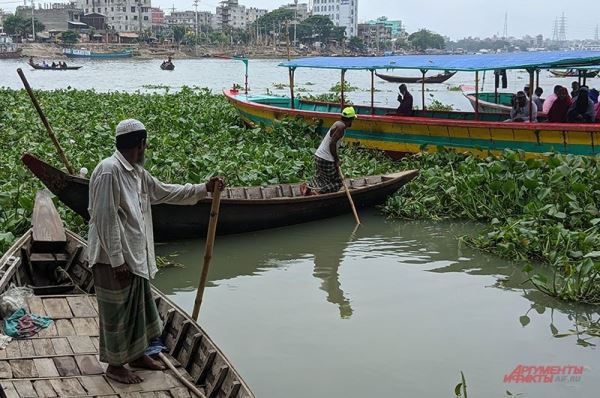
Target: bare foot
[146, 362]
[122, 375]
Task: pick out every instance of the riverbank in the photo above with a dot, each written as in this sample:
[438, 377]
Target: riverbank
[53, 51]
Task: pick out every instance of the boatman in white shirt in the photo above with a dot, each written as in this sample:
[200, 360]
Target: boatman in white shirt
[327, 161]
[121, 250]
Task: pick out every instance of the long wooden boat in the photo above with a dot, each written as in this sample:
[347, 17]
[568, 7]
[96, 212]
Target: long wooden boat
[62, 360]
[490, 103]
[77, 53]
[380, 128]
[41, 67]
[440, 78]
[575, 73]
[243, 209]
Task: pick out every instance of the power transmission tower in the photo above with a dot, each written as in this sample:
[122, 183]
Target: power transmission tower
[562, 29]
[555, 31]
[505, 32]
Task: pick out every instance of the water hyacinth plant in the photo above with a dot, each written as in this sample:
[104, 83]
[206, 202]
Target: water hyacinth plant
[544, 210]
[193, 134]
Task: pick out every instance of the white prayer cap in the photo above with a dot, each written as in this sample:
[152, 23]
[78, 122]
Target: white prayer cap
[129, 126]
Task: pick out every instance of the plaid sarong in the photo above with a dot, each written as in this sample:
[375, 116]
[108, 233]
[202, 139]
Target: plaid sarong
[327, 178]
[128, 315]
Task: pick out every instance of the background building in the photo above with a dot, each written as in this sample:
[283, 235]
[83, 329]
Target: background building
[54, 17]
[121, 15]
[232, 14]
[342, 13]
[396, 27]
[374, 35]
[301, 10]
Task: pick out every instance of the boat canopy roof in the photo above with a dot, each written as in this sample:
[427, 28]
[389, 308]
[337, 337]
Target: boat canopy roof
[470, 62]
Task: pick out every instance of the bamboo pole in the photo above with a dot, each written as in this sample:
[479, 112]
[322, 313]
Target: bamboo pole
[537, 83]
[40, 112]
[342, 88]
[372, 91]
[210, 241]
[531, 81]
[423, 71]
[476, 95]
[349, 197]
[191, 386]
[292, 72]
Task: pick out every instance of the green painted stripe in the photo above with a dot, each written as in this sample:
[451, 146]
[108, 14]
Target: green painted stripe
[474, 143]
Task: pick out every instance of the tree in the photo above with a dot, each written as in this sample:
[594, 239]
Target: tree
[424, 39]
[355, 44]
[319, 28]
[178, 34]
[18, 26]
[69, 37]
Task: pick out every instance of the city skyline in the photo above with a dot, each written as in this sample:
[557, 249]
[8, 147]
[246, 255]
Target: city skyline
[477, 22]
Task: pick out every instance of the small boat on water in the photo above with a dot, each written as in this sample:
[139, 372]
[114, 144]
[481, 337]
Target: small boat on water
[243, 209]
[167, 66]
[82, 53]
[62, 359]
[8, 49]
[480, 133]
[574, 73]
[49, 67]
[439, 78]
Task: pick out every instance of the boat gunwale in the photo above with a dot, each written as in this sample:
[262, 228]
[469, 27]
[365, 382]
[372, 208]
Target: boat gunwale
[591, 128]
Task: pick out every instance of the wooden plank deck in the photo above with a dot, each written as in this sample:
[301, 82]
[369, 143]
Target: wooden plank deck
[62, 361]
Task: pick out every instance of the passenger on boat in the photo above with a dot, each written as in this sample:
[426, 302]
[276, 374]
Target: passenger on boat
[526, 90]
[406, 102]
[520, 109]
[551, 98]
[539, 102]
[582, 108]
[53, 65]
[121, 250]
[560, 106]
[574, 89]
[594, 95]
[327, 162]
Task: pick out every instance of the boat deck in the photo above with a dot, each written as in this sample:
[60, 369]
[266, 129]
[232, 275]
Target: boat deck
[62, 360]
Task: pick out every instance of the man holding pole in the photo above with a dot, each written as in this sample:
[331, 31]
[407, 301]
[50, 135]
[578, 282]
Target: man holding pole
[327, 162]
[121, 249]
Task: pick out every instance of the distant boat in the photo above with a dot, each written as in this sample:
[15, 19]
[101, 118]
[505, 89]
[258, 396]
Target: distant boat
[167, 66]
[574, 73]
[49, 67]
[8, 49]
[440, 78]
[75, 53]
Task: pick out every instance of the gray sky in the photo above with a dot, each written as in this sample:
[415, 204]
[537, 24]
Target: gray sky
[464, 18]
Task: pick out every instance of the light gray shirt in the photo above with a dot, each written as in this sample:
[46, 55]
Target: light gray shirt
[120, 227]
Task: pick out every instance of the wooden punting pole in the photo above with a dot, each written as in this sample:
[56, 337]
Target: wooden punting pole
[342, 88]
[537, 75]
[292, 102]
[372, 91]
[531, 81]
[477, 95]
[423, 72]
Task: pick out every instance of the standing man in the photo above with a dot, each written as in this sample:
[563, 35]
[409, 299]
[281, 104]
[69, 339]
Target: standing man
[327, 161]
[121, 250]
[406, 102]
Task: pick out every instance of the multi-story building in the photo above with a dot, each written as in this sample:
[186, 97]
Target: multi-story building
[232, 14]
[300, 10]
[121, 15]
[343, 13]
[188, 19]
[54, 16]
[373, 35]
[396, 26]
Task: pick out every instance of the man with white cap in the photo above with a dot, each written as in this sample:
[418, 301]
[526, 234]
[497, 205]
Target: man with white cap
[121, 250]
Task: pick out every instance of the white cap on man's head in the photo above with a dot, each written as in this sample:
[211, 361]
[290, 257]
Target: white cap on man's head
[129, 126]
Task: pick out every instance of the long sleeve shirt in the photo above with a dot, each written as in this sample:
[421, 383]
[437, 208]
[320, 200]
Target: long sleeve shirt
[521, 113]
[120, 227]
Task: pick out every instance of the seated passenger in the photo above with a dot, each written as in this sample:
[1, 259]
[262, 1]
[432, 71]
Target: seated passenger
[582, 108]
[558, 112]
[520, 109]
[406, 102]
[575, 89]
[551, 98]
[537, 98]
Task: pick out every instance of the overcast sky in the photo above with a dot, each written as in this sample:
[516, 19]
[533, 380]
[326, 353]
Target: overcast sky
[454, 18]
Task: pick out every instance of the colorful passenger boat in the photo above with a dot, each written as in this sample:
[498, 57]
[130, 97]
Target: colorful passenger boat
[476, 132]
[81, 53]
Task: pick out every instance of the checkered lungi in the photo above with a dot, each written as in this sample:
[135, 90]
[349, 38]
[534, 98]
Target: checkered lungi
[327, 178]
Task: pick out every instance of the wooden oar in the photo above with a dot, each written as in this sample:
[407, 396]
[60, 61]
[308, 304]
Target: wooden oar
[349, 197]
[210, 241]
[40, 112]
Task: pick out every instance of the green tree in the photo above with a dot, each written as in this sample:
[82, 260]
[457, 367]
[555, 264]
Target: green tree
[178, 34]
[424, 39]
[355, 44]
[19, 26]
[69, 37]
[319, 28]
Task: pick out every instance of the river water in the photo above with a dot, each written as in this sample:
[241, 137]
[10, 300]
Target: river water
[393, 309]
[217, 74]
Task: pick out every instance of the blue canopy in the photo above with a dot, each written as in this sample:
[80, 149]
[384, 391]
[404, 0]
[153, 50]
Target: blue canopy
[471, 62]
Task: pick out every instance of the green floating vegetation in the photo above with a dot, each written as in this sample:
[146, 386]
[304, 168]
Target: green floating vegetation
[437, 105]
[193, 135]
[280, 86]
[454, 88]
[542, 210]
[337, 88]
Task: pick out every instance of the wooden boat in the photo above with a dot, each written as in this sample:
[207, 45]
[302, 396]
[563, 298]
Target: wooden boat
[61, 360]
[575, 73]
[440, 78]
[41, 67]
[490, 103]
[8, 49]
[242, 209]
[80, 53]
[380, 128]
[167, 66]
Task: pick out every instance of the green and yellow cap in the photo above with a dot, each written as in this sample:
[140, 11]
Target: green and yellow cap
[349, 112]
